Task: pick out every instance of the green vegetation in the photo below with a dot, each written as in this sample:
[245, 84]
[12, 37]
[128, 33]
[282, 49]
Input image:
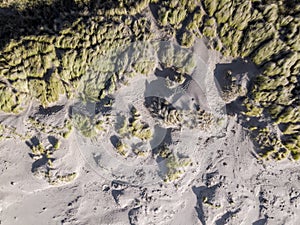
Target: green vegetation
[269, 144]
[65, 178]
[57, 144]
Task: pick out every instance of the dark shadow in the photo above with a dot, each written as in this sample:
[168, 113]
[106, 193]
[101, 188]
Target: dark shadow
[132, 216]
[97, 158]
[261, 221]
[104, 105]
[236, 107]
[161, 135]
[224, 218]
[50, 110]
[262, 202]
[162, 168]
[236, 69]
[114, 140]
[166, 72]
[167, 140]
[52, 140]
[34, 141]
[85, 109]
[120, 120]
[39, 163]
[157, 88]
[208, 177]
[116, 195]
[154, 10]
[199, 207]
[118, 184]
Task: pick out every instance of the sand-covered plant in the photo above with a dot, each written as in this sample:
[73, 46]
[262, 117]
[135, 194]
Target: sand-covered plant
[8, 132]
[164, 111]
[172, 116]
[44, 163]
[173, 167]
[89, 126]
[130, 130]
[62, 130]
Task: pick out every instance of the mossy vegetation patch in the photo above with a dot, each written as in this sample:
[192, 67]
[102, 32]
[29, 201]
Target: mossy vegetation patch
[135, 132]
[52, 64]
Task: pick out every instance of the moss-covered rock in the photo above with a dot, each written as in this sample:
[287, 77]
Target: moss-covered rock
[175, 167]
